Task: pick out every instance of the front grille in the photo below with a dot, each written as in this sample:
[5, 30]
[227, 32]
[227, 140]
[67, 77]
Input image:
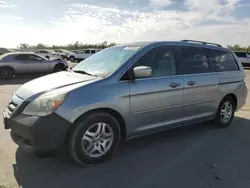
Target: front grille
[13, 104]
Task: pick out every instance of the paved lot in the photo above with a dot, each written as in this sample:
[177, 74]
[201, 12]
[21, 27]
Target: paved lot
[199, 156]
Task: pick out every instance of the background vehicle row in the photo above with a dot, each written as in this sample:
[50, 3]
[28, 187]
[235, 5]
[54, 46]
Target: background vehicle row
[82, 54]
[244, 58]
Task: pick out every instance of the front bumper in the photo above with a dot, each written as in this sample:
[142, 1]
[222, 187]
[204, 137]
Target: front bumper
[40, 134]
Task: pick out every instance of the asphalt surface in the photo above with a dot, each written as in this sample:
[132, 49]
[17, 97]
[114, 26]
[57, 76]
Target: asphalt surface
[198, 156]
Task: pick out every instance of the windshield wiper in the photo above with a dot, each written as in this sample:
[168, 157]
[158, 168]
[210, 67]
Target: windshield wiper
[84, 72]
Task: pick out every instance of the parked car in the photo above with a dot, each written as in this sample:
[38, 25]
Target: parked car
[63, 54]
[24, 63]
[123, 92]
[244, 58]
[4, 50]
[82, 54]
[49, 54]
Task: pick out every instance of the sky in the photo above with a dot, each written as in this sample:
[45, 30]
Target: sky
[63, 22]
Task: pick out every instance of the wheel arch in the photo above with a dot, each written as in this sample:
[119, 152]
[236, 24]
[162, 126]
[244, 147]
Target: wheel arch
[59, 64]
[119, 118]
[233, 96]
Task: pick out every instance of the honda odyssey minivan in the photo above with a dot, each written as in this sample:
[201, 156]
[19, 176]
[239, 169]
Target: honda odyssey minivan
[126, 91]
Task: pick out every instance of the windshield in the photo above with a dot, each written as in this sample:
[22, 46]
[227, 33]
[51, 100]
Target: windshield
[107, 61]
[3, 56]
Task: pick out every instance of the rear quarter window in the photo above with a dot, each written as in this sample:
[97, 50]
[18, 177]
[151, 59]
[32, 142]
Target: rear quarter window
[222, 61]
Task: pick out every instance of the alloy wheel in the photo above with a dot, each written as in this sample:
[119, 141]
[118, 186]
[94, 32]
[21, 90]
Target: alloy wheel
[97, 140]
[226, 112]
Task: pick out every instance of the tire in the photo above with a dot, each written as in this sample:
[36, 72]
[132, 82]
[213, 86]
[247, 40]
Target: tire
[86, 152]
[72, 58]
[59, 67]
[47, 57]
[219, 121]
[6, 73]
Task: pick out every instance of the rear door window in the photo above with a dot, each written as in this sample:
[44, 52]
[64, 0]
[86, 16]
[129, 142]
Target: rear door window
[92, 51]
[222, 61]
[193, 60]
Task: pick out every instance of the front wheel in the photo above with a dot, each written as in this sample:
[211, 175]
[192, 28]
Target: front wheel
[59, 67]
[95, 139]
[225, 112]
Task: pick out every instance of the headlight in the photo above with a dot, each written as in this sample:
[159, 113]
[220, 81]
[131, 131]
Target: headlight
[44, 105]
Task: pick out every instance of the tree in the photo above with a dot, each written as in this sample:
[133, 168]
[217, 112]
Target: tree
[112, 44]
[23, 46]
[40, 46]
[237, 47]
[76, 46]
[248, 48]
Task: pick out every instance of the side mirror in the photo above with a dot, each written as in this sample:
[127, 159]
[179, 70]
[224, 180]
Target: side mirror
[142, 72]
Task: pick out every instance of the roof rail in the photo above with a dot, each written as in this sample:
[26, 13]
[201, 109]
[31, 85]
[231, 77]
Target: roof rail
[202, 42]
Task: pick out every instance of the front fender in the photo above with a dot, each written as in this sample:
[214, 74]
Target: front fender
[97, 96]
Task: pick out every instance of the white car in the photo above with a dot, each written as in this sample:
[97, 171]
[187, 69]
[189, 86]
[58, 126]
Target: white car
[63, 54]
[244, 57]
[82, 54]
[49, 54]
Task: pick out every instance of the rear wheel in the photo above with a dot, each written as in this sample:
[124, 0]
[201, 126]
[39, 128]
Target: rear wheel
[6, 72]
[225, 112]
[72, 58]
[95, 139]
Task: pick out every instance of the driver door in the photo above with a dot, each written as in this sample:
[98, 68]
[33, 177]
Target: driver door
[156, 102]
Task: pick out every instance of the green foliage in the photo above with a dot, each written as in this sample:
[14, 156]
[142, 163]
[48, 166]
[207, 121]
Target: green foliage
[23, 46]
[76, 46]
[237, 47]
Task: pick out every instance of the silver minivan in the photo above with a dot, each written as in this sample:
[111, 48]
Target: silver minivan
[126, 91]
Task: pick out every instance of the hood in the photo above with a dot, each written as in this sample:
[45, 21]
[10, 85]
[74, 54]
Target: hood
[52, 81]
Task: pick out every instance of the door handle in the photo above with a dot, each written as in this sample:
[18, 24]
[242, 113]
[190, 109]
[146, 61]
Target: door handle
[191, 83]
[174, 85]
